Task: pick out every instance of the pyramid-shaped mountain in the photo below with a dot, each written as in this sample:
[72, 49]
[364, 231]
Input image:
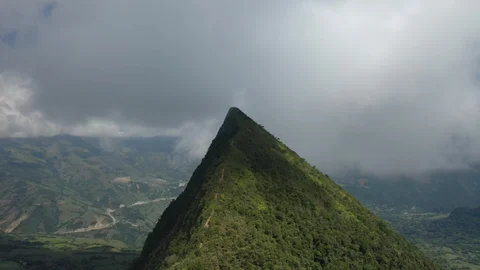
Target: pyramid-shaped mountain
[253, 203]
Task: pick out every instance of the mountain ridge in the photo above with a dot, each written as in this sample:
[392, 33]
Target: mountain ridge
[252, 202]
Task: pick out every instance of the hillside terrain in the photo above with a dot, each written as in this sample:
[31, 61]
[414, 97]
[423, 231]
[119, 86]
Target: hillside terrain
[254, 203]
[92, 187]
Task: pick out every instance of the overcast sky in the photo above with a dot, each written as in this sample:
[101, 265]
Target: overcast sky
[392, 86]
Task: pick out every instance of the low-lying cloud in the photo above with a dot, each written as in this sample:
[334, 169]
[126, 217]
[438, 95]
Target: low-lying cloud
[392, 86]
[18, 120]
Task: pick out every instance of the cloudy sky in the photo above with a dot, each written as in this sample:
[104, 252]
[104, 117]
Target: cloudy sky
[392, 86]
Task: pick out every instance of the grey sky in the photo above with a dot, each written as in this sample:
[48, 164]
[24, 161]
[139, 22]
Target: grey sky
[390, 85]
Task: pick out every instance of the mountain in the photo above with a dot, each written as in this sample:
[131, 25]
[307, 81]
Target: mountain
[112, 188]
[433, 191]
[254, 203]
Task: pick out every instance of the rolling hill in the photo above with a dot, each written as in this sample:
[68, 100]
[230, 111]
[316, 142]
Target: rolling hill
[253, 203]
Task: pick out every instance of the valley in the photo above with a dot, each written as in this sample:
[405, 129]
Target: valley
[66, 185]
[98, 199]
[110, 212]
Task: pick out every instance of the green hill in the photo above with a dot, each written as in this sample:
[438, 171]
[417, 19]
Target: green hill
[65, 185]
[253, 203]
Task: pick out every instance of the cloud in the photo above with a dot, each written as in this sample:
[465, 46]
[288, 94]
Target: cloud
[48, 9]
[9, 38]
[389, 85]
[195, 138]
[18, 120]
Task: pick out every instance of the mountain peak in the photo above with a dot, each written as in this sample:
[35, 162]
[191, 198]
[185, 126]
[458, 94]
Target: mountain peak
[235, 111]
[254, 203]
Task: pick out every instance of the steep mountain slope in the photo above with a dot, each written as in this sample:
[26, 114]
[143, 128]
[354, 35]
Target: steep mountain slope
[254, 203]
[75, 185]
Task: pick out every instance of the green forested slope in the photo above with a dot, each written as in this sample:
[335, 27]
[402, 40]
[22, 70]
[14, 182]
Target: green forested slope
[254, 203]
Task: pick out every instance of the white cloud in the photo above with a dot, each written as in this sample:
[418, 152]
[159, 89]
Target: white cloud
[18, 119]
[196, 137]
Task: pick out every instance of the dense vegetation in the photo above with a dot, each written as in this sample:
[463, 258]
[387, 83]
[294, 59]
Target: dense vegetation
[60, 184]
[254, 203]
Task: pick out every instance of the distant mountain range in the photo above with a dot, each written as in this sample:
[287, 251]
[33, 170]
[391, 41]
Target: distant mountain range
[434, 191]
[108, 188]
